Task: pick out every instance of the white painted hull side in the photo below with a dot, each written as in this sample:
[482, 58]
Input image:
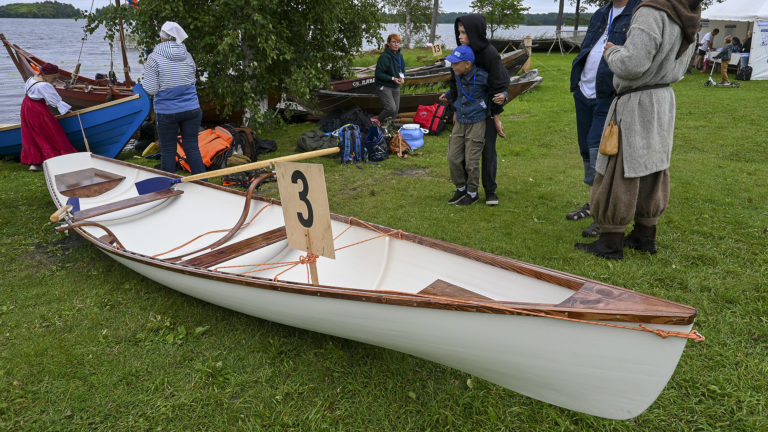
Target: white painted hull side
[602, 371]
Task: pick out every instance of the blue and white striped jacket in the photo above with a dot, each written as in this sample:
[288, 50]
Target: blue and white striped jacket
[169, 74]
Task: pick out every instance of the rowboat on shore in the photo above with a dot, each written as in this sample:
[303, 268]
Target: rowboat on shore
[84, 92]
[513, 61]
[370, 102]
[107, 126]
[563, 339]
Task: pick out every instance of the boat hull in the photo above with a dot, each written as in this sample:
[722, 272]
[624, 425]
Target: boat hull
[107, 127]
[371, 102]
[581, 367]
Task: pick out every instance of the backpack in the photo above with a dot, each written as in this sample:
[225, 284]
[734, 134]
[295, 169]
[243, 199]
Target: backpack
[433, 117]
[352, 149]
[398, 145]
[215, 148]
[744, 74]
[375, 145]
[316, 140]
[246, 142]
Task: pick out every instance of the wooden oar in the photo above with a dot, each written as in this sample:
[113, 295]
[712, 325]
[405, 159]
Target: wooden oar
[155, 184]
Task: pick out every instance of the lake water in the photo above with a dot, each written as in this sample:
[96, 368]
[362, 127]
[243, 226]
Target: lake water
[58, 41]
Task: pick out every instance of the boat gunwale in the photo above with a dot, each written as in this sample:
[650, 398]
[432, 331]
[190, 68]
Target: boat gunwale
[681, 315]
[84, 110]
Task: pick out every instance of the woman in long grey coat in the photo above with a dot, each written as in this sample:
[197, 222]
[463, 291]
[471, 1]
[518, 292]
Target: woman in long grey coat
[634, 183]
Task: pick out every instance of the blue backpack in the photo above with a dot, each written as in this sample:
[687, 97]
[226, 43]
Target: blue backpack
[352, 149]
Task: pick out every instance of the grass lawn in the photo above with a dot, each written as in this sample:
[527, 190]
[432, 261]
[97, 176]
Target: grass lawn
[85, 344]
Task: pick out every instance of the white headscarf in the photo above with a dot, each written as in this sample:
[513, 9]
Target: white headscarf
[170, 28]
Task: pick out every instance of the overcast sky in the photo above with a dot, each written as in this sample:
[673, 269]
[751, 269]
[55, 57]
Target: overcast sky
[537, 6]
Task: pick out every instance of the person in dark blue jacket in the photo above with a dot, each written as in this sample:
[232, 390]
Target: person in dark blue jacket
[592, 88]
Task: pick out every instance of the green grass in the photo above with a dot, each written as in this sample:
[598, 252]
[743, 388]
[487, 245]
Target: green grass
[86, 344]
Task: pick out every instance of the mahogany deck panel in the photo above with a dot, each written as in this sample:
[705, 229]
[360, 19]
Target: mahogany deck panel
[441, 288]
[87, 183]
[237, 249]
[124, 204]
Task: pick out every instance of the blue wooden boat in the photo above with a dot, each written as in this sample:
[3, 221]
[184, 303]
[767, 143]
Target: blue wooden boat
[107, 126]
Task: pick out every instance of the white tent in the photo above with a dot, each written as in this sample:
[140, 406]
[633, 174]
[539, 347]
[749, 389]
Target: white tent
[736, 17]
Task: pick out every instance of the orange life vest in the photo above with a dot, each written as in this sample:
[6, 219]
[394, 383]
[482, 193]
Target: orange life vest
[212, 142]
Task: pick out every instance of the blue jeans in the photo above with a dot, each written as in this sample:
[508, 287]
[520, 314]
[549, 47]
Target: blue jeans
[590, 121]
[168, 127]
[744, 60]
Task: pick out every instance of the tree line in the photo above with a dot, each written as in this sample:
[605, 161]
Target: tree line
[529, 19]
[47, 9]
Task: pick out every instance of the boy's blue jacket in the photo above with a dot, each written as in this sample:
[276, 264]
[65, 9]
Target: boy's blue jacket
[471, 101]
[618, 36]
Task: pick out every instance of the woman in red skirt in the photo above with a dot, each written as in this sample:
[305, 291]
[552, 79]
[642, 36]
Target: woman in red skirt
[41, 134]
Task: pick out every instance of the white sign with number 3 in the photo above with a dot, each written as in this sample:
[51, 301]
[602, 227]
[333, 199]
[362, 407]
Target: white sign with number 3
[305, 207]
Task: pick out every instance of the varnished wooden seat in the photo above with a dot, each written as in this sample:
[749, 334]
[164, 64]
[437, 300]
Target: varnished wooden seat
[124, 204]
[441, 288]
[234, 250]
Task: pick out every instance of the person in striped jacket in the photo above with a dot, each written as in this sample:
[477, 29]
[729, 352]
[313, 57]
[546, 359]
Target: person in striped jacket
[169, 75]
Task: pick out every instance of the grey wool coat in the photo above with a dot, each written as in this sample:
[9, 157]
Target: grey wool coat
[646, 118]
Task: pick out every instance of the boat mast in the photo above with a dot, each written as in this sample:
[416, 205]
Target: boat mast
[126, 67]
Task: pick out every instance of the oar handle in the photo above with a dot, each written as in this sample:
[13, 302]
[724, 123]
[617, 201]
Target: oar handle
[56, 216]
[260, 164]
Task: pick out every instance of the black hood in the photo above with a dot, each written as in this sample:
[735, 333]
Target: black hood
[475, 26]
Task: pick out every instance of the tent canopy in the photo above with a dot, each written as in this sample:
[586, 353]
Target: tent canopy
[737, 10]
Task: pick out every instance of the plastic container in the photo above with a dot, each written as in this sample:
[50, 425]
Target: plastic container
[413, 134]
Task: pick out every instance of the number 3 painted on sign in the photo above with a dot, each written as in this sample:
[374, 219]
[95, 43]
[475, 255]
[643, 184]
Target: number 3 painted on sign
[303, 193]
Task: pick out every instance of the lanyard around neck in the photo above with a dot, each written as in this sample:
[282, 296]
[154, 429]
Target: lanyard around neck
[474, 86]
[610, 24]
[397, 60]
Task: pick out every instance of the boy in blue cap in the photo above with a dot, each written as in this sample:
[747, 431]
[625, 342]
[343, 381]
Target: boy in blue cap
[465, 146]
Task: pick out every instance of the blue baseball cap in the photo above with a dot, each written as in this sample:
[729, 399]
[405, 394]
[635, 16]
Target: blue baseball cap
[461, 53]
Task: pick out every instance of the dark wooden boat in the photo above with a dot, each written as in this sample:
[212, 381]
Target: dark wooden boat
[82, 92]
[513, 61]
[86, 92]
[328, 100]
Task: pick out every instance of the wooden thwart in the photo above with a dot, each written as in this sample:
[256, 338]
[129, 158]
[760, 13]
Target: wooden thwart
[87, 183]
[234, 250]
[124, 204]
[441, 288]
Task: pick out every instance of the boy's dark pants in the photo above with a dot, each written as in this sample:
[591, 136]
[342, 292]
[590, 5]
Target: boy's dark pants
[465, 149]
[489, 158]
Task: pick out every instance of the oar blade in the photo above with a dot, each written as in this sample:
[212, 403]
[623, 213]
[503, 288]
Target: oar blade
[154, 184]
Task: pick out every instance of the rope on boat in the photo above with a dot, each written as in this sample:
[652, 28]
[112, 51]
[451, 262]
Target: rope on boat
[211, 232]
[76, 73]
[312, 258]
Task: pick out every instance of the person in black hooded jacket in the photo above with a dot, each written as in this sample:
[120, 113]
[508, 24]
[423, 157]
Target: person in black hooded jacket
[471, 30]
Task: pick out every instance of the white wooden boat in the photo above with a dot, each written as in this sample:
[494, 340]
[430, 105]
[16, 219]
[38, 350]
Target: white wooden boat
[556, 337]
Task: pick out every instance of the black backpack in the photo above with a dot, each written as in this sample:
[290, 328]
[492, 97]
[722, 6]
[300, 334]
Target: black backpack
[744, 74]
[376, 145]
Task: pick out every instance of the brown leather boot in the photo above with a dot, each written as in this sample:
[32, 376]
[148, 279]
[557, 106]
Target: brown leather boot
[642, 238]
[608, 246]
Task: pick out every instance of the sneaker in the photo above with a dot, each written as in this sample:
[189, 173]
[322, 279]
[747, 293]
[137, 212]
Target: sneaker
[35, 168]
[468, 199]
[491, 199]
[457, 196]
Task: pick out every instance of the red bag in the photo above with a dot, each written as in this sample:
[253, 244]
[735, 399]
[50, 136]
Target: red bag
[432, 117]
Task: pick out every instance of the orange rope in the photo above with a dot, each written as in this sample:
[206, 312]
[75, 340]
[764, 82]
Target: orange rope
[210, 232]
[311, 258]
